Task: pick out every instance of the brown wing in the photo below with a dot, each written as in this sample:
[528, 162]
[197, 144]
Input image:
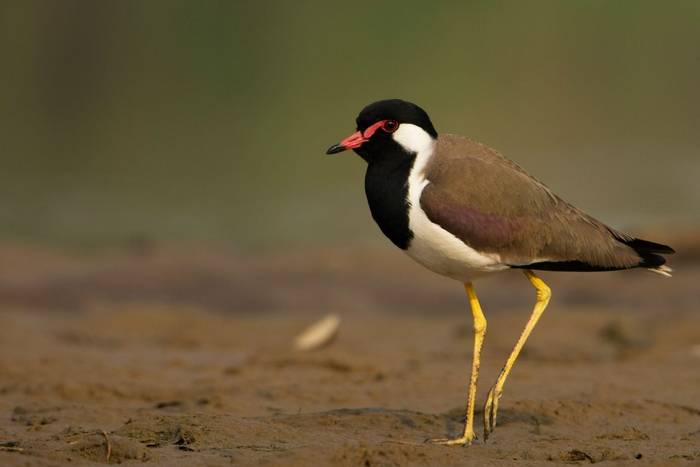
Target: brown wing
[494, 206]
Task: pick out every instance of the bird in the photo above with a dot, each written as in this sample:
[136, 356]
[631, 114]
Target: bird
[462, 210]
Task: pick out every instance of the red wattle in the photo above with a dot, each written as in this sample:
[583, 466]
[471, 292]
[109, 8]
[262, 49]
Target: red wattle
[357, 139]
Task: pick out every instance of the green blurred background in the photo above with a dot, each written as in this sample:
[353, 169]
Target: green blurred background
[207, 121]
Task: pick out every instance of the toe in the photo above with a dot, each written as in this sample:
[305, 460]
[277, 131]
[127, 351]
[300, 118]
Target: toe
[451, 442]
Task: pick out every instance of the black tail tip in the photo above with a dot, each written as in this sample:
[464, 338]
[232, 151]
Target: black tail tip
[651, 260]
[645, 246]
[650, 252]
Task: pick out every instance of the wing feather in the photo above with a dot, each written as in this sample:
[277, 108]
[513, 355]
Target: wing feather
[494, 206]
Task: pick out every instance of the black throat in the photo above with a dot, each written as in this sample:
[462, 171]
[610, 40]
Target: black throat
[386, 186]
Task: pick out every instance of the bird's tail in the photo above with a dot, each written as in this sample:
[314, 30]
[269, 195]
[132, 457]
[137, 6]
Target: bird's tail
[662, 270]
[650, 253]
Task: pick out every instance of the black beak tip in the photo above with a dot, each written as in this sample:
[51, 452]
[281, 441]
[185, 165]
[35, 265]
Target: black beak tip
[336, 148]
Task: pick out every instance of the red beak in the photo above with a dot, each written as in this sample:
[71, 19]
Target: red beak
[355, 140]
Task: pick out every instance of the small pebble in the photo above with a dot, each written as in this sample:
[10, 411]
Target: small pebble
[318, 335]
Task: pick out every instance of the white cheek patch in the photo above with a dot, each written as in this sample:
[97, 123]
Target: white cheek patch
[413, 138]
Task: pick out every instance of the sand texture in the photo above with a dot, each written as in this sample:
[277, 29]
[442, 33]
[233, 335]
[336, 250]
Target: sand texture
[178, 358]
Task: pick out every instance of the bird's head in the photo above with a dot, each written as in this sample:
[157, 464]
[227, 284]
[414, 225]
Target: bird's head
[387, 126]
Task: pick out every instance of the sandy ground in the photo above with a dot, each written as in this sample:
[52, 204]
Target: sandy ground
[164, 357]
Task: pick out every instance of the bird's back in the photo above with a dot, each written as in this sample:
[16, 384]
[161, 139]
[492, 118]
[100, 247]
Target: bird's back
[493, 205]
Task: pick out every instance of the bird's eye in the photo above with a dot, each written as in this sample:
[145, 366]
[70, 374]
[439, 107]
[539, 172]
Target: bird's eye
[390, 126]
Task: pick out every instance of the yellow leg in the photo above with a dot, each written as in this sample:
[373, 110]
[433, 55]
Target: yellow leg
[491, 407]
[479, 333]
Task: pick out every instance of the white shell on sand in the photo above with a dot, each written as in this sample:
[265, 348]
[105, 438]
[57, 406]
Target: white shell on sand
[319, 334]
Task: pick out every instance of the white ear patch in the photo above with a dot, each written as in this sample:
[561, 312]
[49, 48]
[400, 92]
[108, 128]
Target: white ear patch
[413, 138]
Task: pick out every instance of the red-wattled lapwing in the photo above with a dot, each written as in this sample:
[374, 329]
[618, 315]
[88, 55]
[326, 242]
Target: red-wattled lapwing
[463, 210]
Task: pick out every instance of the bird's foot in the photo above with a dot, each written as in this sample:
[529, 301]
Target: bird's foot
[491, 410]
[465, 440]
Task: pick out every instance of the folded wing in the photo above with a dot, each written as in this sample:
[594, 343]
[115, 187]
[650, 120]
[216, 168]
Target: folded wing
[494, 206]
